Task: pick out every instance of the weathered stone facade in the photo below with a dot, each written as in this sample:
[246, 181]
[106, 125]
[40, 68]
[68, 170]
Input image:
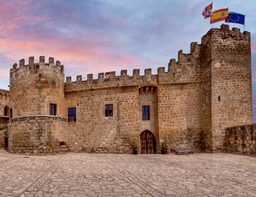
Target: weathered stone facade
[37, 134]
[240, 139]
[4, 115]
[191, 103]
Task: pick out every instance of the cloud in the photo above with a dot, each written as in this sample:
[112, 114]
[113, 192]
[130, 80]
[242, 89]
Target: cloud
[78, 57]
[14, 14]
[253, 46]
[96, 36]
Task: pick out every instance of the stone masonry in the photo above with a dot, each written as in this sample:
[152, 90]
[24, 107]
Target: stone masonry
[190, 104]
[240, 139]
[4, 116]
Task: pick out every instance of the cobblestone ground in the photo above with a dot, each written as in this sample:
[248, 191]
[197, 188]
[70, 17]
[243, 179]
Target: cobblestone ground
[82, 174]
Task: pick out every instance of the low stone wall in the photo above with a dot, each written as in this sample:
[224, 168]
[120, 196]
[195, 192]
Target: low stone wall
[240, 139]
[190, 137]
[3, 130]
[37, 135]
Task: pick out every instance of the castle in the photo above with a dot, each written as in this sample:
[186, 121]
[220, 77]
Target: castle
[192, 103]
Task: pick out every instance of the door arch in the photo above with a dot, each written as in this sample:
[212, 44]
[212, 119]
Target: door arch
[147, 142]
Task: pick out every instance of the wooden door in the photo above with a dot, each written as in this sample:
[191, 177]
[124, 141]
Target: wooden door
[148, 143]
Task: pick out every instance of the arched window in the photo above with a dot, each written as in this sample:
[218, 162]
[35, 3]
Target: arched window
[5, 111]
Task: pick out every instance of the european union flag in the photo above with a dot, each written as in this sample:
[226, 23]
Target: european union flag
[234, 17]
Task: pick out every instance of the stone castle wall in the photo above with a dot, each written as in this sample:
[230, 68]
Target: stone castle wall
[3, 135]
[37, 134]
[195, 97]
[240, 139]
[92, 131]
[4, 102]
[169, 94]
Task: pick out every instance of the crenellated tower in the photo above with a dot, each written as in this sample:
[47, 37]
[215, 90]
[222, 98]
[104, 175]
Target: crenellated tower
[37, 101]
[39, 85]
[227, 87]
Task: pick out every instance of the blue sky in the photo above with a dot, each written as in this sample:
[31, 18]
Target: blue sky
[93, 36]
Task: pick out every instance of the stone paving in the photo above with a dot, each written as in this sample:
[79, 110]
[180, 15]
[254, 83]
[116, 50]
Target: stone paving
[123, 175]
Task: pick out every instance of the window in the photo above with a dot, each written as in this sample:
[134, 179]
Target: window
[53, 109]
[72, 114]
[145, 113]
[5, 111]
[108, 110]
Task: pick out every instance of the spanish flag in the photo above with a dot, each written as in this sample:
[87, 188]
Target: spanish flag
[219, 15]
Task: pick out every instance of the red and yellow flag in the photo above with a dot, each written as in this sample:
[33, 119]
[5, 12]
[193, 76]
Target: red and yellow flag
[219, 15]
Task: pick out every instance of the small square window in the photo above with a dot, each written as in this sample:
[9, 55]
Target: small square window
[108, 110]
[72, 114]
[53, 109]
[145, 113]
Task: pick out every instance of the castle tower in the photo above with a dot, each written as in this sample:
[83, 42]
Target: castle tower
[37, 102]
[227, 88]
[34, 87]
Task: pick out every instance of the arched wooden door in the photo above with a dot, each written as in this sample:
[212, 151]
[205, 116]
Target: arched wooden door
[147, 142]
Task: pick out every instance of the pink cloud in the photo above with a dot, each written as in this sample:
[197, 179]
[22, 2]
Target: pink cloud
[81, 59]
[13, 15]
[253, 46]
[4, 70]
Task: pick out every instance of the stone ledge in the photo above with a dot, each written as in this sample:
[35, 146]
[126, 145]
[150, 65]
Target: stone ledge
[38, 117]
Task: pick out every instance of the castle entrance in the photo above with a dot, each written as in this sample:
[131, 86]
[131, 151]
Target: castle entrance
[147, 142]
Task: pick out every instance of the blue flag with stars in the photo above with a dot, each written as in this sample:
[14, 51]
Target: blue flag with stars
[234, 17]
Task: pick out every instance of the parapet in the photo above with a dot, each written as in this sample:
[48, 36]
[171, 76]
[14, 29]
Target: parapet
[36, 66]
[181, 71]
[225, 33]
[110, 79]
[4, 94]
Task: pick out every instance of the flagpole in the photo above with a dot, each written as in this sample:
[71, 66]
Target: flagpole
[244, 21]
[211, 16]
[228, 18]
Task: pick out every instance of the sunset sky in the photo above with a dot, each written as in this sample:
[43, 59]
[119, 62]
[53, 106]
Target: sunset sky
[92, 36]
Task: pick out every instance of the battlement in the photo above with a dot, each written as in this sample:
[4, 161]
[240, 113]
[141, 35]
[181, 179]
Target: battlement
[110, 79]
[224, 32]
[37, 66]
[4, 94]
[182, 71]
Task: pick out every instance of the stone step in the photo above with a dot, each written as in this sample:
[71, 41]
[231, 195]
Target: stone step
[63, 149]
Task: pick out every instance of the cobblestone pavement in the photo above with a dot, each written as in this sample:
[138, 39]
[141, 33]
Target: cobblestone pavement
[83, 174]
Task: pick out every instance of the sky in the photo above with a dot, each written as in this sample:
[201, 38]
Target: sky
[95, 36]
